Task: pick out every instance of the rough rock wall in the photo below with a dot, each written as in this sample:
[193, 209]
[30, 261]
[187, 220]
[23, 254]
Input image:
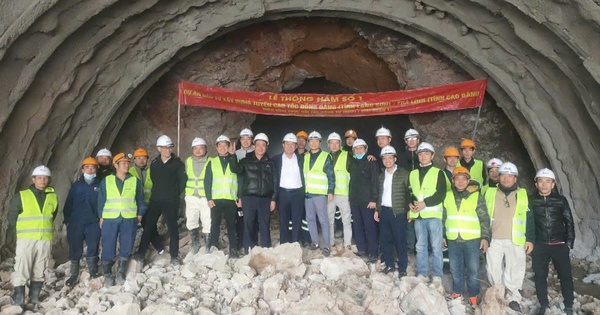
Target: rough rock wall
[71, 72]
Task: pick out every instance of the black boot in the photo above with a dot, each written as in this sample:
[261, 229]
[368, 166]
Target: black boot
[195, 241]
[122, 270]
[19, 295]
[93, 266]
[35, 287]
[74, 273]
[207, 241]
[109, 278]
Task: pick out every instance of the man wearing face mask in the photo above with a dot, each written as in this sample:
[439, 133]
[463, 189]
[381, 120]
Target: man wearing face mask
[81, 217]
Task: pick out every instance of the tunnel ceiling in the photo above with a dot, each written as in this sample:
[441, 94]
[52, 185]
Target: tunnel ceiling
[72, 71]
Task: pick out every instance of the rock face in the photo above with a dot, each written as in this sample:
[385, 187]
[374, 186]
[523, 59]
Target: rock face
[99, 61]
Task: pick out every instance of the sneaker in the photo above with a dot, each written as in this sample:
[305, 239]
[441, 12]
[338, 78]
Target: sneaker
[314, 246]
[423, 278]
[162, 251]
[387, 270]
[175, 261]
[514, 305]
[455, 296]
[473, 301]
[401, 274]
[542, 310]
[325, 252]
[436, 280]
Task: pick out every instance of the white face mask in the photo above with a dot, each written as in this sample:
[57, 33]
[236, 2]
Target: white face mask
[89, 176]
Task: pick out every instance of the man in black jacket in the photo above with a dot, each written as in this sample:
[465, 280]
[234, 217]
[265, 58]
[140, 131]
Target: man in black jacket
[554, 237]
[258, 191]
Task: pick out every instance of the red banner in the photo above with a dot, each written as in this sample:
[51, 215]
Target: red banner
[446, 97]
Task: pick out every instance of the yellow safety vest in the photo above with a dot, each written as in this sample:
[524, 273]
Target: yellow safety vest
[476, 170]
[195, 182]
[462, 221]
[315, 178]
[424, 190]
[35, 223]
[224, 186]
[120, 204]
[147, 184]
[519, 221]
[342, 176]
[485, 188]
[448, 182]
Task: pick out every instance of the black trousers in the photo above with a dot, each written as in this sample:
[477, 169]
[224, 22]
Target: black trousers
[170, 210]
[224, 209]
[559, 254]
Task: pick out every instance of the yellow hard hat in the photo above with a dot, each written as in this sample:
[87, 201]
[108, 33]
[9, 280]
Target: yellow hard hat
[467, 143]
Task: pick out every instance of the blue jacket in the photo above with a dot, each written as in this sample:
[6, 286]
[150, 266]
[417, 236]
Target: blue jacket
[81, 206]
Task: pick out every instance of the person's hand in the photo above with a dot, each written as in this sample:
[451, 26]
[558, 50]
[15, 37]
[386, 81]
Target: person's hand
[483, 245]
[139, 219]
[238, 203]
[420, 205]
[376, 216]
[101, 222]
[371, 205]
[371, 158]
[408, 215]
[211, 203]
[329, 197]
[273, 206]
[444, 243]
[231, 149]
[528, 247]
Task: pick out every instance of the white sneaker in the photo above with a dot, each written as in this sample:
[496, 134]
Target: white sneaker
[436, 280]
[161, 252]
[423, 278]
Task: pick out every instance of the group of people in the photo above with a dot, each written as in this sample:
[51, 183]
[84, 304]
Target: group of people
[389, 202]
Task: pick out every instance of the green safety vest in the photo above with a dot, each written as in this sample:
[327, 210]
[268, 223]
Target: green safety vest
[485, 188]
[462, 221]
[120, 204]
[194, 182]
[519, 221]
[424, 190]
[315, 178]
[475, 171]
[342, 176]
[448, 182]
[35, 223]
[224, 186]
[147, 184]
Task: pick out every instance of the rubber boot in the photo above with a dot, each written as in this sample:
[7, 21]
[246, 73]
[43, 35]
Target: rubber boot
[35, 287]
[109, 278]
[93, 266]
[207, 241]
[122, 270]
[19, 295]
[195, 241]
[74, 273]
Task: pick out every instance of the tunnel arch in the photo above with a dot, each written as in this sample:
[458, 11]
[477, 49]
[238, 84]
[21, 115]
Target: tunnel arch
[72, 71]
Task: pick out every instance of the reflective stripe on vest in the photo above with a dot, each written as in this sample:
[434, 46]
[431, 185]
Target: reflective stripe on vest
[462, 221]
[147, 184]
[194, 182]
[519, 221]
[224, 186]
[476, 171]
[342, 176]
[424, 190]
[120, 204]
[35, 223]
[315, 178]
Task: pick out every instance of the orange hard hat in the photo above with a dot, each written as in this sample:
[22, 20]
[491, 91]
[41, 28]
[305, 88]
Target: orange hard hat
[302, 134]
[120, 157]
[451, 151]
[89, 161]
[461, 170]
[351, 133]
[467, 143]
[140, 152]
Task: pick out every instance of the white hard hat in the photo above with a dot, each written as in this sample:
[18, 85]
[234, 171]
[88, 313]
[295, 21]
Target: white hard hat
[545, 172]
[164, 141]
[198, 141]
[358, 142]
[334, 136]
[507, 168]
[494, 163]
[383, 132]
[246, 133]
[263, 137]
[222, 138]
[314, 135]
[41, 171]
[425, 146]
[411, 133]
[388, 149]
[104, 152]
[290, 137]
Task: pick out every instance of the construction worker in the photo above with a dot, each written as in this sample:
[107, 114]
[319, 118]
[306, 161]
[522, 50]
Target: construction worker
[120, 208]
[81, 217]
[259, 188]
[493, 175]
[290, 200]
[409, 159]
[384, 138]
[167, 173]
[428, 185]
[246, 147]
[392, 204]
[141, 170]
[245, 143]
[31, 216]
[349, 137]
[554, 238]
[221, 187]
[302, 137]
[105, 168]
[513, 234]
[320, 184]
[196, 205]
[451, 157]
[364, 183]
[340, 159]
[475, 166]
[467, 232]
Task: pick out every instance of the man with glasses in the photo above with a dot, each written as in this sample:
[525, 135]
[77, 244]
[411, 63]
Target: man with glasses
[409, 160]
